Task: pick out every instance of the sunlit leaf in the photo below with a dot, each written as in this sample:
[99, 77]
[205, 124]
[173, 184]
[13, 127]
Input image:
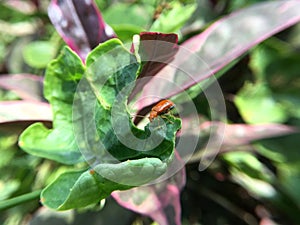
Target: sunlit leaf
[173, 17]
[257, 105]
[39, 53]
[90, 113]
[60, 84]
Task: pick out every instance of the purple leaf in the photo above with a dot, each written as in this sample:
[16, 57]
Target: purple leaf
[80, 24]
[233, 137]
[26, 86]
[24, 111]
[201, 56]
[155, 53]
[243, 134]
[217, 137]
[159, 201]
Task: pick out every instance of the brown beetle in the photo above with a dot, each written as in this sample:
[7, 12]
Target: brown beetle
[163, 107]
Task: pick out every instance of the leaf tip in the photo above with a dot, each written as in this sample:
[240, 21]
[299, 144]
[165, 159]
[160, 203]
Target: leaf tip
[92, 172]
[42, 200]
[21, 143]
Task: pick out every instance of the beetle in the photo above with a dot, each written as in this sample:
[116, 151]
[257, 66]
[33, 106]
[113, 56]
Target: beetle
[163, 107]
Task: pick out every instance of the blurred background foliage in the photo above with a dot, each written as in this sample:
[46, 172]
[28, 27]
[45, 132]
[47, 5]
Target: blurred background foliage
[256, 184]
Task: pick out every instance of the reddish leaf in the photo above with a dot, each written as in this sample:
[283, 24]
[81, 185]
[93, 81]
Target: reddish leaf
[80, 24]
[243, 134]
[156, 51]
[232, 137]
[227, 39]
[26, 86]
[24, 110]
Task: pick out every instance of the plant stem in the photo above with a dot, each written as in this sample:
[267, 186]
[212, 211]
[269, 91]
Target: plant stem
[6, 204]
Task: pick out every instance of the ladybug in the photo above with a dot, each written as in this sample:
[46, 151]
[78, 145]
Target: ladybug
[163, 107]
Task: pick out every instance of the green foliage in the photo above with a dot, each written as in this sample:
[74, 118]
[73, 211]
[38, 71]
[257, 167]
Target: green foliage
[128, 19]
[257, 105]
[39, 53]
[250, 165]
[173, 17]
[56, 163]
[237, 4]
[112, 63]
[273, 97]
[10, 14]
[7, 185]
[17, 176]
[83, 188]
[122, 13]
[60, 85]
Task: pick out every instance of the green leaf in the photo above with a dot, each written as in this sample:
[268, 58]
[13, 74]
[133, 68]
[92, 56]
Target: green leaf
[7, 149]
[39, 53]
[289, 177]
[111, 76]
[130, 14]
[57, 144]
[257, 105]
[238, 4]
[125, 32]
[277, 64]
[283, 149]
[9, 14]
[62, 77]
[256, 187]
[7, 188]
[80, 189]
[173, 17]
[90, 114]
[247, 163]
[283, 152]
